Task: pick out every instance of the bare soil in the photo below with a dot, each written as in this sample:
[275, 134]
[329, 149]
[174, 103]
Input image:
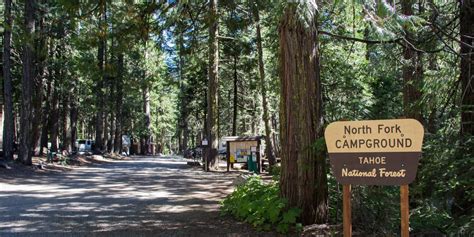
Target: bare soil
[139, 196]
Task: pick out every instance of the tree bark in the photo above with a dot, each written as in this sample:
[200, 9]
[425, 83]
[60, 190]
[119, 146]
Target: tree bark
[276, 143]
[467, 68]
[99, 123]
[26, 120]
[147, 112]
[54, 118]
[213, 84]
[8, 122]
[41, 52]
[48, 102]
[118, 105]
[183, 130]
[235, 99]
[105, 135]
[266, 117]
[412, 71]
[185, 133]
[303, 179]
[65, 115]
[73, 116]
[146, 140]
[56, 84]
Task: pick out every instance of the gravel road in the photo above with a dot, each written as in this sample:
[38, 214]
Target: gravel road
[140, 196]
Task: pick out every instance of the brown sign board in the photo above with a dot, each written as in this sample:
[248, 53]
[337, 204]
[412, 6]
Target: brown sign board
[375, 152]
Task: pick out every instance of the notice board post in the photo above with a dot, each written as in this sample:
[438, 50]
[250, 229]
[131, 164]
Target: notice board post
[375, 152]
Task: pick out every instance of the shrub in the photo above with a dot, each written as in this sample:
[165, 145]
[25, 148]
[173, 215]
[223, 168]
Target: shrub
[275, 172]
[259, 204]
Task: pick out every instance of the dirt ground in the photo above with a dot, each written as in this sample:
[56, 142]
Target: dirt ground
[139, 196]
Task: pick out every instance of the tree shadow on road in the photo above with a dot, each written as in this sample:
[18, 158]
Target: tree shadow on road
[161, 196]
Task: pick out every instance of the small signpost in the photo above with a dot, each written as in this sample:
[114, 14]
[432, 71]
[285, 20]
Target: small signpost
[375, 152]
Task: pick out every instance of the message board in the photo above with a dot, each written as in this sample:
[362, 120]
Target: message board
[375, 152]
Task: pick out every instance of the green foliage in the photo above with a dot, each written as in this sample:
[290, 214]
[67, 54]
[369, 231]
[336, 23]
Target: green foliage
[359, 81]
[260, 205]
[427, 216]
[275, 172]
[375, 209]
[443, 191]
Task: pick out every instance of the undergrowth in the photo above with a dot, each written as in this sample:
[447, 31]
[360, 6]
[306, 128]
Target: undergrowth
[259, 204]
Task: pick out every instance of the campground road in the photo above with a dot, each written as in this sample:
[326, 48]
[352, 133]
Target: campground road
[140, 196]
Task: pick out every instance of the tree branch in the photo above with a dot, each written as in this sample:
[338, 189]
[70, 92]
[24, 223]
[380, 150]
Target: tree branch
[225, 37]
[359, 39]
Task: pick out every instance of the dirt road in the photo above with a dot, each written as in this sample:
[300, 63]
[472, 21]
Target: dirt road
[141, 196]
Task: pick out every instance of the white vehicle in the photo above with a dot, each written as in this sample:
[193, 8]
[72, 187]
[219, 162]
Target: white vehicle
[84, 145]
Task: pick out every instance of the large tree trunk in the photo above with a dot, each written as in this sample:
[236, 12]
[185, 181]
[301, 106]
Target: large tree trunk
[412, 71]
[303, 176]
[41, 52]
[146, 140]
[107, 110]
[184, 95]
[147, 112]
[213, 84]
[467, 67]
[110, 141]
[266, 117]
[48, 102]
[235, 99]
[276, 143]
[56, 84]
[118, 106]
[65, 113]
[54, 118]
[73, 116]
[8, 122]
[99, 123]
[26, 120]
[105, 135]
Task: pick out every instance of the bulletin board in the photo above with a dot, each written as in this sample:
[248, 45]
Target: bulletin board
[240, 150]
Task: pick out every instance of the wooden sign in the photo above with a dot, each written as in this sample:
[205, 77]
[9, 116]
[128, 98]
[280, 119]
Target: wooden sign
[375, 152]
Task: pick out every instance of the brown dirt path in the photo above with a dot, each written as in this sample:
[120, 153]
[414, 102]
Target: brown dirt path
[141, 196]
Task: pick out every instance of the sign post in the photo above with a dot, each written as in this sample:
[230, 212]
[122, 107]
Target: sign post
[404, 211]
[346, 210]
[375, 152]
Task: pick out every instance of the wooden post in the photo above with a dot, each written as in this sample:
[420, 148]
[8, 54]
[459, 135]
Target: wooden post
[259, 160]
[228, 155]
[346, 210]
[206, 158]
[404, 210]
